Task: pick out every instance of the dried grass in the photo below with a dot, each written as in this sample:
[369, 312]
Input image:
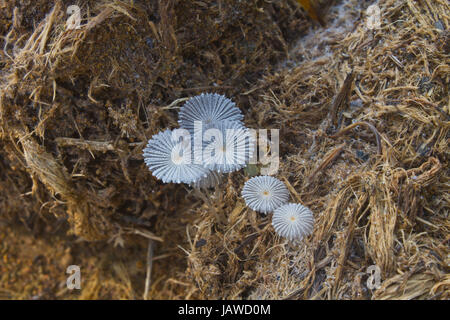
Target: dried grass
[368, 152]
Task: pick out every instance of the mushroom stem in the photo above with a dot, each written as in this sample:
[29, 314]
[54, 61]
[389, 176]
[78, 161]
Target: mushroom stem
[211, 206]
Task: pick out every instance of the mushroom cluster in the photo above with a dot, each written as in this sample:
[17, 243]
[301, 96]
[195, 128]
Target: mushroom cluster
[267, 194]
[211, 140]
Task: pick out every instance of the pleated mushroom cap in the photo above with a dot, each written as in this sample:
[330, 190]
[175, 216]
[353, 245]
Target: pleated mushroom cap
[227, 147]
[265, 193]
[293, 221]
[209, 108]
[171, 160]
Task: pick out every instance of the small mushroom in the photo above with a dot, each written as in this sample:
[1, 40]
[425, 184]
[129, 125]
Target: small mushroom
[209, 108]
[293, 221]
[265, 193]
[171, 160]
[229, 147]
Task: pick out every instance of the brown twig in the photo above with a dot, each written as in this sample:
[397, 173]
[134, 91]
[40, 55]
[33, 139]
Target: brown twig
[86, 144]
[330, 158]
[148, 278]
[342, 97]
[250, 238]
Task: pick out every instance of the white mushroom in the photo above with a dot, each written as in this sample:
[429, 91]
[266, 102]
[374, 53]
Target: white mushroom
[293, 221]
[171, 160]
[209, 108]
[265, 193]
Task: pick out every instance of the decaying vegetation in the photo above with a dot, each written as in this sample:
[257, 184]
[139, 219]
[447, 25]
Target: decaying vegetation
[363, 118]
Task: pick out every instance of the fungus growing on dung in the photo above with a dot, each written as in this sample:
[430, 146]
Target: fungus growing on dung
[169, 158]
[265, 193]
[208, 108]
[293, 221]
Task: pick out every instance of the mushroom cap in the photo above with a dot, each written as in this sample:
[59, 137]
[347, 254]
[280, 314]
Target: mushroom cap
[169, 158]
[208, 108]
[293, 221]
[227, 146]
[265, 193]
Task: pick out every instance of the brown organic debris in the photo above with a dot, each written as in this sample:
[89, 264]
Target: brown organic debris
[364, 124]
